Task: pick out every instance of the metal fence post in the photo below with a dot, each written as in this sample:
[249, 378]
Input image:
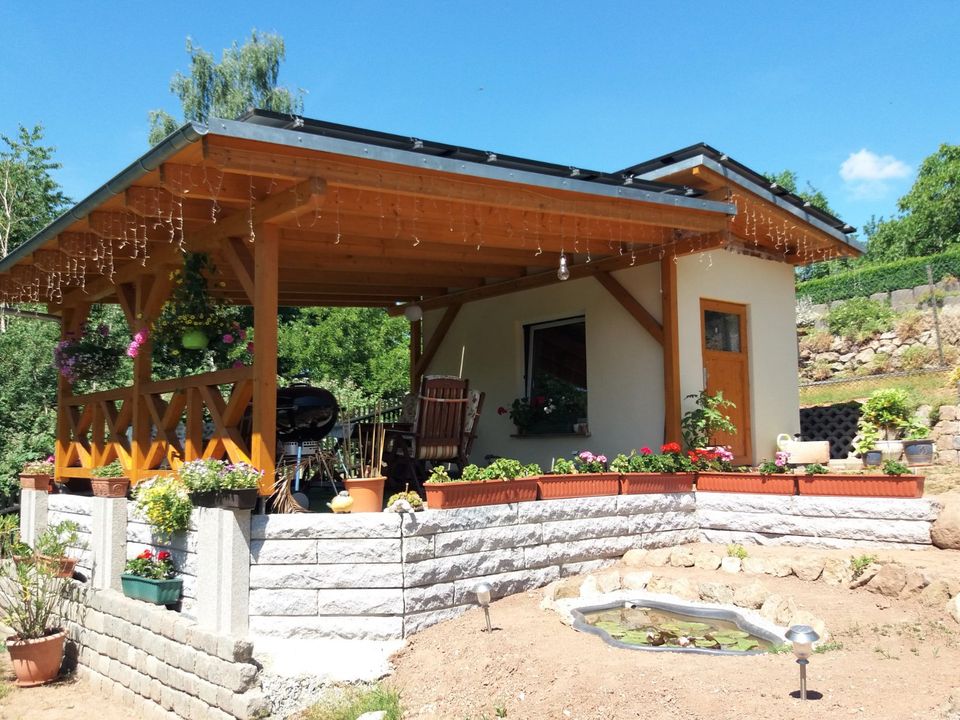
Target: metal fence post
[936, 319]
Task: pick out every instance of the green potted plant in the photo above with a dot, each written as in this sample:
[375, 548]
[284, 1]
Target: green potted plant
[700, 425]
[917, 446]
[214, 483]
[202, 480]
[502, 481]
[164, 503]
[152, 578]
[669, 471]
[895, 481]
[363, 446]
[889, 411]
[240, 486]
[109, 481]
[52, 545]
[865, 445]
[38, 475]
[584, 476]
[31, 597]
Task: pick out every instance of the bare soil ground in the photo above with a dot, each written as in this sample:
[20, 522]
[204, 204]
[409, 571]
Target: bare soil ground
[68, 699]
[898, 660]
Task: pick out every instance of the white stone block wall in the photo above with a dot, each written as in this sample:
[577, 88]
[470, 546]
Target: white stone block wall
[159, 663]
[79, 509]
[832, 522]
[182, 546]
[514, 548]
[322, 576]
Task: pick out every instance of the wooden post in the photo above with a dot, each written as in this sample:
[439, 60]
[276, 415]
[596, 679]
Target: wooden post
[142, 371]
[671, 350]
[416, 348]
[264, 442]
[71, 320]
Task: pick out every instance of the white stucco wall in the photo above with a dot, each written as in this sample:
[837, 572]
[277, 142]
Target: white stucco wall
[625, 364]
[767, 289]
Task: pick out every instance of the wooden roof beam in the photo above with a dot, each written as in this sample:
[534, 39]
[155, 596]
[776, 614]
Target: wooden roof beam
[203, 182]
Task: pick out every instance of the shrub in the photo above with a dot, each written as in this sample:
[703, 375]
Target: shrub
[861, 563]
[917, 357]
[698, 426]
[165, 504]
[817, 342]
[737, 551]
[909, 325]
[859, 319]
[926, 299]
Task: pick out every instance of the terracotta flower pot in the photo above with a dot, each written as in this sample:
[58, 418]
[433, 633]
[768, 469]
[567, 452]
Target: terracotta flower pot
[641, 483]
[746, 483]
[36, 482]
[554, 487]
[367, 493]
[36, 662]
[901, 486]
[471, 494]
[62, 566]
[110, 487]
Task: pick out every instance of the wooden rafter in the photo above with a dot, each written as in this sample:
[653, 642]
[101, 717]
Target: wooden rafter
[631, 305]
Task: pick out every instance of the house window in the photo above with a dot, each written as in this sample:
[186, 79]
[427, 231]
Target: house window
[556, 374]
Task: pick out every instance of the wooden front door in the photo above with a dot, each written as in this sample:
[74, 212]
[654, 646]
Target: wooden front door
[726, 368]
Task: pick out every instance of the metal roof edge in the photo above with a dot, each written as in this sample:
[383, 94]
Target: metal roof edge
[370, 151]
[735, 177]
[146, 163]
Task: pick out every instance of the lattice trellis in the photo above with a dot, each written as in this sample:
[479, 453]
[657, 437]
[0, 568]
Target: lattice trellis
[836, 423]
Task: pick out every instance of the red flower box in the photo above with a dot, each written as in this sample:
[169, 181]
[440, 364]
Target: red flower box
[642, 483]
[488, 492]
[900, 486]
[554, 487]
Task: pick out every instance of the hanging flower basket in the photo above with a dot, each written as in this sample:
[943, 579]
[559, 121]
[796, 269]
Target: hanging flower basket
[195, 340]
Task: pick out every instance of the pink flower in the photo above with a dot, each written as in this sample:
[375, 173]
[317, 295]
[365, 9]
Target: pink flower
[238, 363]
[242, 334]
[133, 350]
[141, 337]
[501, 410]
[587, 456]
[228, 338]
[601, 458]
[646, 451]
[250, 348]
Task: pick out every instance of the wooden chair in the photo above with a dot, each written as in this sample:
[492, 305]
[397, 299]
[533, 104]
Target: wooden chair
[438, 434]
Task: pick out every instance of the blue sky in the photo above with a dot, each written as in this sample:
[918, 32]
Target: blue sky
[850, 95]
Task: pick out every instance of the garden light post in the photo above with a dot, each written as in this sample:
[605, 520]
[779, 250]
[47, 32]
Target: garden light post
[483, 591]
[802, 638]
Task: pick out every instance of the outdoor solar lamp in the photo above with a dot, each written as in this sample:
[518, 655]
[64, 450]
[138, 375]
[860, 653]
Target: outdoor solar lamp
[802, 638]
[482, 592]
[563, 273]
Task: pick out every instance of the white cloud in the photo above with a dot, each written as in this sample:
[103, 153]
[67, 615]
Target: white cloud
[868, 167]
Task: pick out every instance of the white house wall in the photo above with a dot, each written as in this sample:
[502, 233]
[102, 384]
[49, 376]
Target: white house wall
[624, 364]
[767, 289]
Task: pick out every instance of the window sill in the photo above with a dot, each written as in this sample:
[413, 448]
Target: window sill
[534, 436]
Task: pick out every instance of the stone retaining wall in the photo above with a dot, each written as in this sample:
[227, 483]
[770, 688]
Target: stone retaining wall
[79, 510]
[386, 576]
[182, 547]
[160, 663]
[831, 522]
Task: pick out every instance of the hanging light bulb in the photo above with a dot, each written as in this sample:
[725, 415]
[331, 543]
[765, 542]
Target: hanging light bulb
[563, 273]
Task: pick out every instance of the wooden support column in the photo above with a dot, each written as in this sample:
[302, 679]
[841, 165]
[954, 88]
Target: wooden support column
[264, 442]
[671, 350]
[631, 305]
[71, 320]
[416, 348]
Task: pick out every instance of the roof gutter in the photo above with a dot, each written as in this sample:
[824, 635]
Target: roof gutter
[147, 163]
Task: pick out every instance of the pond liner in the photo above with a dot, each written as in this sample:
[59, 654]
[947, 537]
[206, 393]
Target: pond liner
[707, 613]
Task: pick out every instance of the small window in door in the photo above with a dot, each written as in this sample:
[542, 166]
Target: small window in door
[721, 331]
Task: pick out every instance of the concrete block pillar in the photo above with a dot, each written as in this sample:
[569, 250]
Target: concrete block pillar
[223, 570]
[33, 514]
[108, 541]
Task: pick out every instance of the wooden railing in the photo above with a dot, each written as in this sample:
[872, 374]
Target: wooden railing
[101, 424]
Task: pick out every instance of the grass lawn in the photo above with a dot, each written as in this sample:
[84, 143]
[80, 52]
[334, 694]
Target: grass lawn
[925, 389]
[355, 702]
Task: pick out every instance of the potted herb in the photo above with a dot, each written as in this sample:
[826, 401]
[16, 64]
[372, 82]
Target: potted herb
[584, 476]
[38, 475]
[165, 504]
[52, 545]
[152, 578]
[109, 481]
[649, 472]
[502, 481]
[239, 486]
[31, 596]
[773, 477]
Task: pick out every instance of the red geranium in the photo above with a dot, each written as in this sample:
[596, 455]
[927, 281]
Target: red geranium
[163, 555]
[145, 565]
[145, 555]
[670, 448]
[646, 451]
[502, 410]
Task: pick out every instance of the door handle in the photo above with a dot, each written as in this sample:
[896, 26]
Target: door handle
[706, 376]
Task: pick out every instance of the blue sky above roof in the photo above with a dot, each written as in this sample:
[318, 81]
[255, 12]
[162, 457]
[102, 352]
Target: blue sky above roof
[849, 95]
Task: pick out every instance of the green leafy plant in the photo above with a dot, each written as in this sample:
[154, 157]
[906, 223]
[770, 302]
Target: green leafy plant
[240, 476]
[499, 469]
[202, 475]
[860, 563]
[913, 429]
[860, 318]
[698, 426]
[111, 470]
[892, 467]
[54, 540]
[31, 598]
[416, 502]
[39, 467]
[165, 503]
[354, 702]
[815, 469]
[917, 357]
[9, 534]
[562, 466]
[778, 466]
[439, 474]
[153, 567]
[867, 436]
[736, 550]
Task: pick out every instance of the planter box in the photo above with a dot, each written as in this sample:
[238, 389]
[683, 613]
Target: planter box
[641, 483]
[205, 498]
[555, 487]
[110, 487]
[158, 592]
[747, 483]
[37, 482]
[472, 494]
[245, 499]
[901, 486]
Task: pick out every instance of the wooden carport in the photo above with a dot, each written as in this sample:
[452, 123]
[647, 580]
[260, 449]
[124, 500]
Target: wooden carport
[302, 213]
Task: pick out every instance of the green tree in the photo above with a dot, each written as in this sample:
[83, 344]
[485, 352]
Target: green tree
[929, 217]
[787, 179]
[29, 196]
[246, 77]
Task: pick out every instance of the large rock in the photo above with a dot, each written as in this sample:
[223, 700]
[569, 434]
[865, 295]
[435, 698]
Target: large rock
[953, 608]
[753, 565]
[716, 593]
[706, 560]
[730, 565]
[917, 580]
[659, 557]
[889, 581]
[684, 589]
[836, 571]
[935, 594]
[636, 558]
[750, 596]
[945, 532]
[807, 567]
[681, 557]
[635, 579]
